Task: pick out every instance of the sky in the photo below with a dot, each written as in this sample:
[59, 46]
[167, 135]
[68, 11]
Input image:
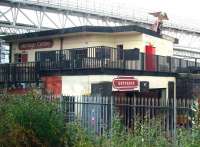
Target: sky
[173, 7]
[184, 11]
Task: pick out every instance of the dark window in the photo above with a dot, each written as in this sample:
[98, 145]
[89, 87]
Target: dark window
[171, 90]
[132, 54]
[18, 58]
[78, 53]
[144, 86]
[120, 53]
[102, 88]
[47, 56]
[21, 58]
[102, 53]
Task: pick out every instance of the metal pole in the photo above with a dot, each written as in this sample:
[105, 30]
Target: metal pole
[175, 113]
[195, 62]
[111, 107]
[61, 104]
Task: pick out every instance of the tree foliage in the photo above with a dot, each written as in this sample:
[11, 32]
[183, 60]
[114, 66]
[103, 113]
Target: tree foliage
[30, 121]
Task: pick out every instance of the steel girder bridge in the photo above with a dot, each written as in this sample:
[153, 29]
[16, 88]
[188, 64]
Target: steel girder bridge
[21, 16]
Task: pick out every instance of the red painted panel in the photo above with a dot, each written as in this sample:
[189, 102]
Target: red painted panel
[24, 58]
[53, 85]
[19, 91]
[150, 58]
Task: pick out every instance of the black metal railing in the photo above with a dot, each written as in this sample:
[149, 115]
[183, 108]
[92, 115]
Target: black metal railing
[18, 72]
[95, 113]
[107, 57]
[99, 57]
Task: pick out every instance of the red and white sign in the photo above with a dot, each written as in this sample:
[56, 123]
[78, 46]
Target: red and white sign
[36, 45]
[125, 83]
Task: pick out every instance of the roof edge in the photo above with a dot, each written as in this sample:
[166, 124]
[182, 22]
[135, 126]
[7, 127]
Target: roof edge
[79, 29]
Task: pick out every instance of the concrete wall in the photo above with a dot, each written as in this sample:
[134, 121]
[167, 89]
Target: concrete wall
[129, 40]
[163, 47]
[81, 85]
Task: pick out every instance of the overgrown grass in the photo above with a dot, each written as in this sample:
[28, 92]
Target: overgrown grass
[146, 134]
[29, 121]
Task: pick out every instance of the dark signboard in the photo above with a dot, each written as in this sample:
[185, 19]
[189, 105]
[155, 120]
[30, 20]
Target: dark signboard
[102, 88]
[36, 45]
[144, 86]
[132, 54]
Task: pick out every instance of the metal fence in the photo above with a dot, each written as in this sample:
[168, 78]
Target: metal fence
[99, 58]
[18, 72]
[109, 58]
[96, 113]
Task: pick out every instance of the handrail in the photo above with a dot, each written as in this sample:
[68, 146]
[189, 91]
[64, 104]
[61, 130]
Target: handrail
[91, 58]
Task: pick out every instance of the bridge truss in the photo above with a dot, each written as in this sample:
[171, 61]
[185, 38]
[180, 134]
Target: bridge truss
[21, 16]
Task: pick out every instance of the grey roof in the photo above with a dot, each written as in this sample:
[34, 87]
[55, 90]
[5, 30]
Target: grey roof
[100, 29]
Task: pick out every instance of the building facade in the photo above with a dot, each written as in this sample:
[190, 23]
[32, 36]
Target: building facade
[89, 60]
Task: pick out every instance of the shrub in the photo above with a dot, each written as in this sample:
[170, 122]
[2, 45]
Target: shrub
[77, 136]
[144, 134]
[29, 120]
